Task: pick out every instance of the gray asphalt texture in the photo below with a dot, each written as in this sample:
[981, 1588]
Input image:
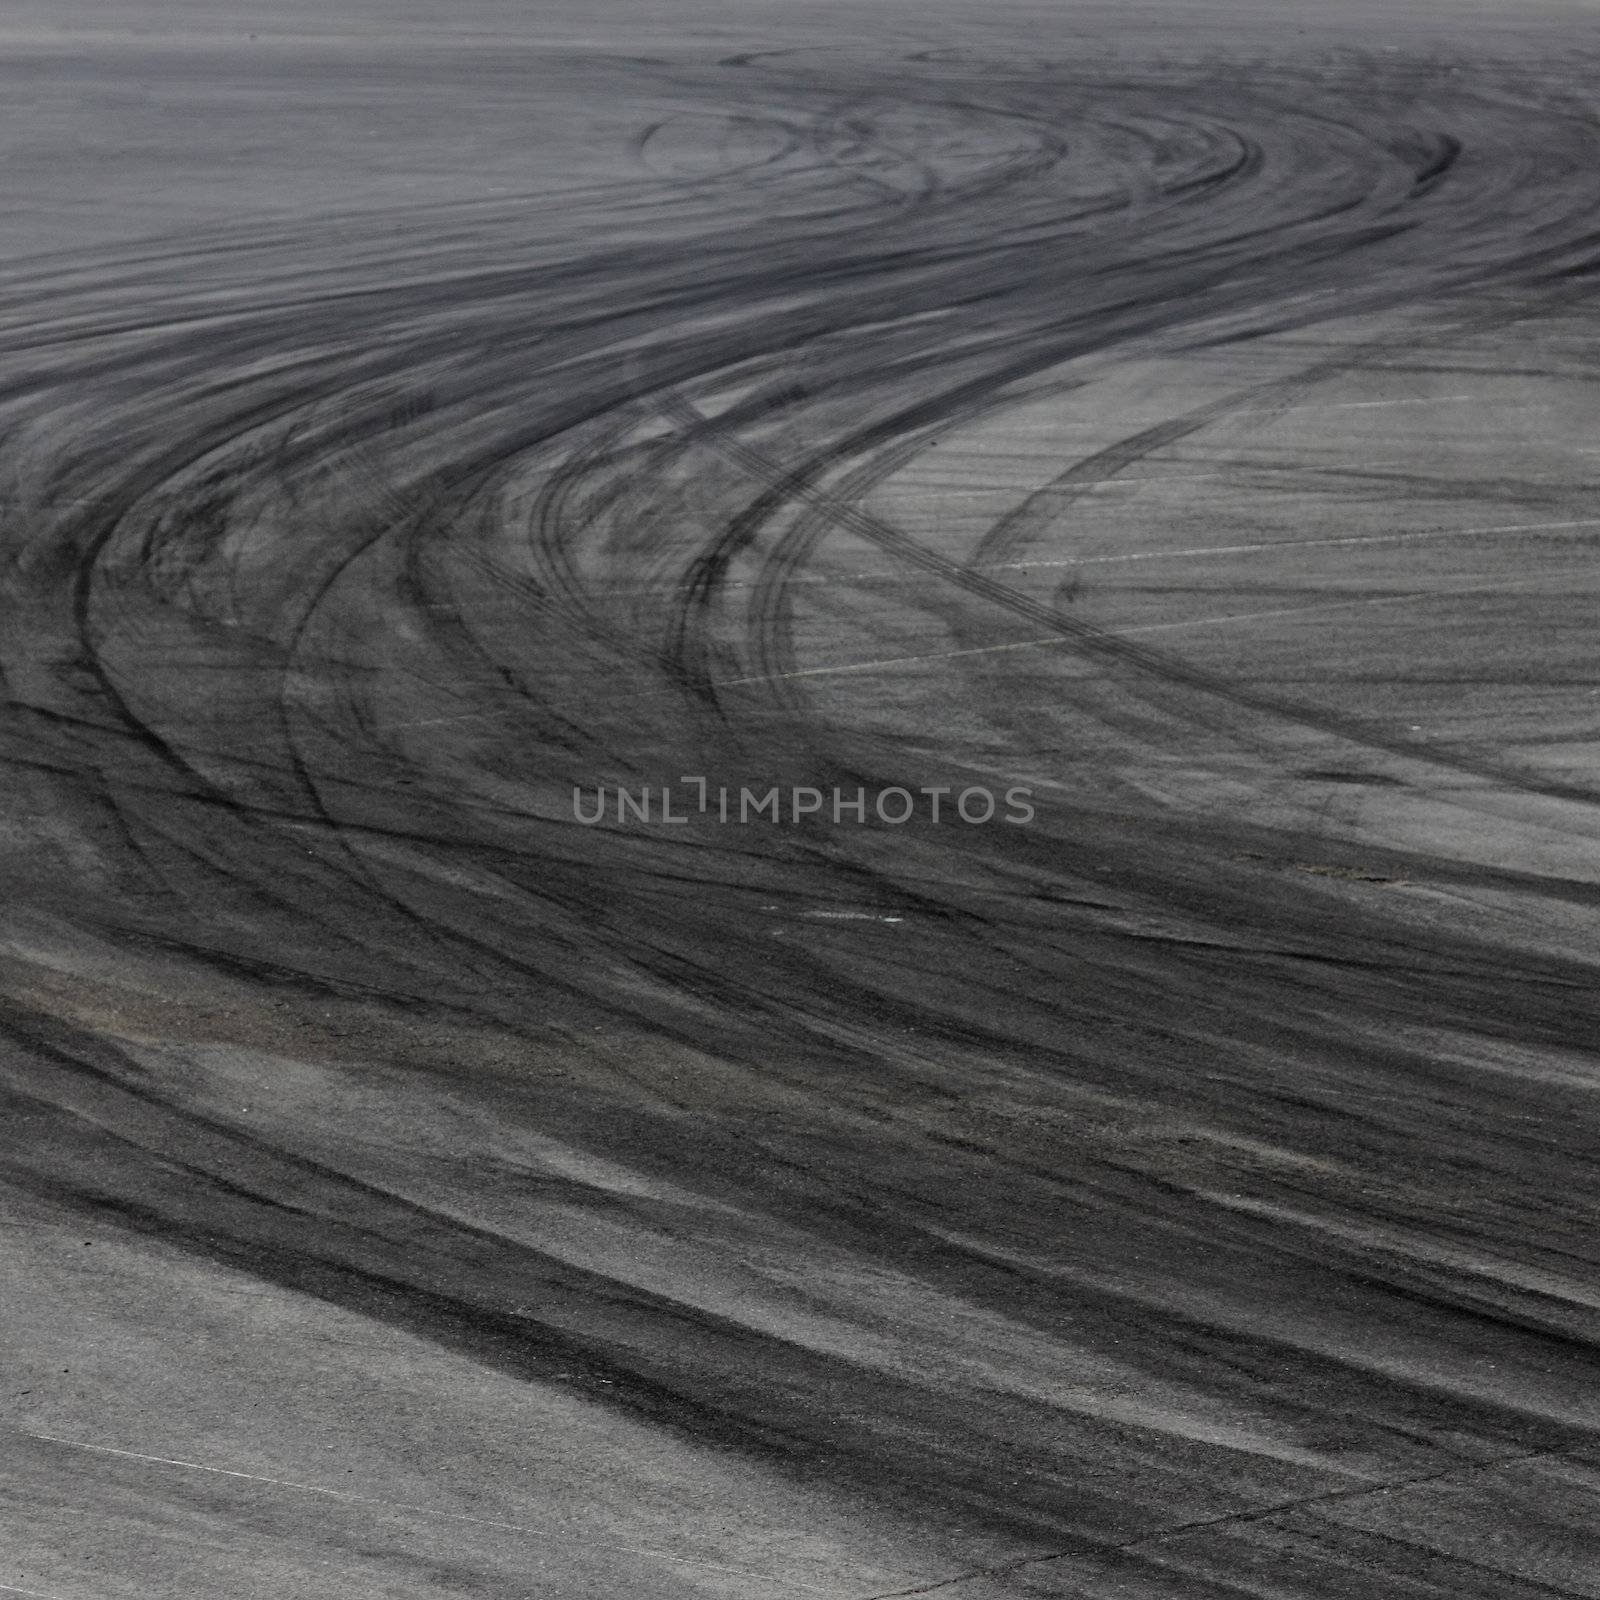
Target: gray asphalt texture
[1185, 413]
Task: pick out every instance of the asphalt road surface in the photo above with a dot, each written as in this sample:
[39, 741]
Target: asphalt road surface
[1175, 424]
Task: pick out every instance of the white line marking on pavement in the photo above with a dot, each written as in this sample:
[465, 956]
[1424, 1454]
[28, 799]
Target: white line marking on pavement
[423, 1511]
[891, 661]
[1299, 544]
[1357, 405]
[967, 486]
[849, 916]
[1149, 627]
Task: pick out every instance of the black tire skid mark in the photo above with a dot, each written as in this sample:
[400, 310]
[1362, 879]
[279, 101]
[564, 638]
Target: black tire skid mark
[323, 1234]
[1036, 514]
[335, 922]
[93, 537]
[297, 817]
[1467, 1010]
[337, 1238]
[1247, 160]
[788, 141]
[340, 1239]
[1099, 644]
[697, 976]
